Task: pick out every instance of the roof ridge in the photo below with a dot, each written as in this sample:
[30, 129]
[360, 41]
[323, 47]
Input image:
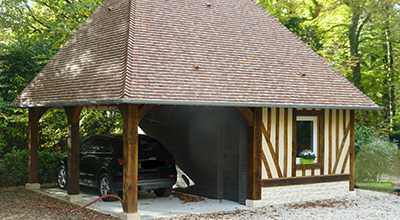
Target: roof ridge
[128, 42]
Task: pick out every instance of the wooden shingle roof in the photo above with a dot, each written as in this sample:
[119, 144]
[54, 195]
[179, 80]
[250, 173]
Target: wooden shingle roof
[188, 52]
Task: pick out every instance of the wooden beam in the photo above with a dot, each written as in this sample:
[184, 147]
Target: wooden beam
[247, 114]
[339, 153]
[271, 149]
[130, 116]
[337, 134]
[321, 141]
[294, 141]
[277, 137]
[308, 166]
[266, 165]
[254, 159]
[330, 142]
[304, 180]
[73, 113]
[143, 111]
[352, 151]
[33, 132]
[285, 142]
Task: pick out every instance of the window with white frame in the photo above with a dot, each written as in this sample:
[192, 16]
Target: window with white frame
[307, 133]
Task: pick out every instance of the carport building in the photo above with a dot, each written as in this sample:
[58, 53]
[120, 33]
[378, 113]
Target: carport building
[222, 84]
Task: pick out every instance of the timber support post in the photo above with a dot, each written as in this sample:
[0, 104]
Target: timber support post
[73, 113]
[352, 151]
[130, 116]
[33, 129]
[254, 161]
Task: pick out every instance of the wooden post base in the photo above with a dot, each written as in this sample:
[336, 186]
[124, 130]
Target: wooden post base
[129, 216]
[32, 186]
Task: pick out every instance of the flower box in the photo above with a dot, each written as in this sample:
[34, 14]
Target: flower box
[306, 161]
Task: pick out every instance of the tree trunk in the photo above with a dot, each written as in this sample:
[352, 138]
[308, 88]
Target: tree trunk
[388, 59]
[354, 55]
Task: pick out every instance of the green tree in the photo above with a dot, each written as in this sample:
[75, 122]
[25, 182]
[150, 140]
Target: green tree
[31, 32]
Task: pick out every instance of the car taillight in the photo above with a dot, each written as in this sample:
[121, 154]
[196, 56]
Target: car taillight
[121, 161]
[172, 176]
[171, 160]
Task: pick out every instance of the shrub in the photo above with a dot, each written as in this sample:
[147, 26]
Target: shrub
[375, 159]
[14, 167]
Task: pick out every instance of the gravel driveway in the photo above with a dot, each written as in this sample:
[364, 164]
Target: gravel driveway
[19, 203]
[364, 205]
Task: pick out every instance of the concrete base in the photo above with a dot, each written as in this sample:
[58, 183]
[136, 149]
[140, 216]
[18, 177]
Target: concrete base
[129, 216]
[305, 192]
[32, 186]
[73, 198]
[254, 203]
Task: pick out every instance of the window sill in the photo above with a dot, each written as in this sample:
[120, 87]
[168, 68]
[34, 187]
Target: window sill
[308, 166]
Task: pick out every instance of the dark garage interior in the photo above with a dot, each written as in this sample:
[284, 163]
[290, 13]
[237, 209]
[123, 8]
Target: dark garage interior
[209, 144]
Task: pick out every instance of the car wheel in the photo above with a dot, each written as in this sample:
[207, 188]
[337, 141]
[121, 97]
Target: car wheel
[163, 192]
[62, 177]
[106, 187]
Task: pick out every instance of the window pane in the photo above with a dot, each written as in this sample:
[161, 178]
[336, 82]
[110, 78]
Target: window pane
[304, 136]
[100, 145]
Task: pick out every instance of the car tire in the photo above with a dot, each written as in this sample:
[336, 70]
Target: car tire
[106, 187]
[163, 192]
[62, 177]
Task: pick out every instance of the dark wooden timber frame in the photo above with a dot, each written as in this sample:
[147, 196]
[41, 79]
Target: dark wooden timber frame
[34, 115]
[352, 151]
[257, 129]
[73, 114]
[254, 149]
[305, 180]
[131, 114]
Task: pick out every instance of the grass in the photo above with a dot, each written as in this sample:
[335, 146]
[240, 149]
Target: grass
[376, 184]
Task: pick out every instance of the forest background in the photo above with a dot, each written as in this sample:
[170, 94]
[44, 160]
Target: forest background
[359, 38]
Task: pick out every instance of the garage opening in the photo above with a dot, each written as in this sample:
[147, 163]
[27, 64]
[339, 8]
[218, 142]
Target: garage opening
[209, 144]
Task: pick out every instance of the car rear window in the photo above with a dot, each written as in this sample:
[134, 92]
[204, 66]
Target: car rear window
[148, 148]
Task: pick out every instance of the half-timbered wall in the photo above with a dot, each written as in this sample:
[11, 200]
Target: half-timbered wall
[279, 135]
[331, 176]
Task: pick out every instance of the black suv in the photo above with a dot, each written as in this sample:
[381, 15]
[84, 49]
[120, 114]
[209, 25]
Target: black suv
[101, 160]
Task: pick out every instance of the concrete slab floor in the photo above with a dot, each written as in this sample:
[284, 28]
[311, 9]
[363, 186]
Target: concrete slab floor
[149, 205]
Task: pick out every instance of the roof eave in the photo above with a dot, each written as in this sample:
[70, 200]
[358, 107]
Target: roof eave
[195, 103]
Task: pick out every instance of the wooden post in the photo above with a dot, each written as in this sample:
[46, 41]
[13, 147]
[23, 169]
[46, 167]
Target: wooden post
[254, 157]
[294, 141]
[34, 115]
[130, 116]
[73, 113]
[321, 141]
[352, 152]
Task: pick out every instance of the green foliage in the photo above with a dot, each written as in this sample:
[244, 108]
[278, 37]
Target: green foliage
[363, 136]
[20, 61]
[53, 130]
[13, 129]
[16, 163]
[100, 122]
[375, 158]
